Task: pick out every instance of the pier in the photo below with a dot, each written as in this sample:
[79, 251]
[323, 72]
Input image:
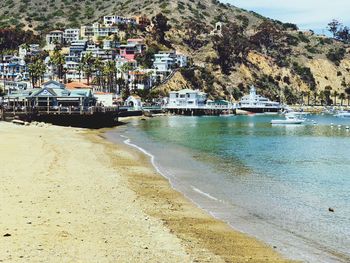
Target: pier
[201, 110]
[83, 117]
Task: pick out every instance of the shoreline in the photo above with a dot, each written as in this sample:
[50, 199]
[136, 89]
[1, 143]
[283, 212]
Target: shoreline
[290, 247]
[71, 195]
[206, 230]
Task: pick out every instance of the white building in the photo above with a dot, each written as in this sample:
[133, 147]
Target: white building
[114, 20]
[186, 98]
[102, 31]
[13, 68]
[97, 52]
[87, 32]
[134, 102]
[164, 61]
[104, 98]
[71, 34]
[54, 37]
[32, 49]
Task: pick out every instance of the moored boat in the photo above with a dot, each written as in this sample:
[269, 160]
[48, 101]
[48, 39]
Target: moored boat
[343, 114]
[254, 103]
[289, 119]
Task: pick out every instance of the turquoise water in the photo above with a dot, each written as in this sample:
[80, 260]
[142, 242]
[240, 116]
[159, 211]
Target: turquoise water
[273, 182]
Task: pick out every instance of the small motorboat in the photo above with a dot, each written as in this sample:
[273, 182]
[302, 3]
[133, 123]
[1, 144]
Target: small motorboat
[342, 114]
[289, 119]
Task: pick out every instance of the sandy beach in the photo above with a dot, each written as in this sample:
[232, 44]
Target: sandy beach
[68, 195]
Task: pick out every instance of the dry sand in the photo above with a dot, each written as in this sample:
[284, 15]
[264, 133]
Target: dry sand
[68, 195]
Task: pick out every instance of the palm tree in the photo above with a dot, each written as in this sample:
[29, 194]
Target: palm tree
[58, 60]
[126, 68]
[98, 68]
[315, 93]
[335, 95]
[347, 91]
[322, 96]
[80, 69]
[88, 66]
[36, 72]
[327, 94]
[111, 71]
[308, 93]
[342, 97]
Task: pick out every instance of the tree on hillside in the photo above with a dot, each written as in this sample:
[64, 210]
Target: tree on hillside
[344, 34]
[146, 60]
[11, 38]
[334, 26]
[231, 47]
[267, 36]
[306, 75]
[194, 29]
[336, 55]
[160, 27]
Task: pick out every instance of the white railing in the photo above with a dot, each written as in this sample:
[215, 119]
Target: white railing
[202, 107]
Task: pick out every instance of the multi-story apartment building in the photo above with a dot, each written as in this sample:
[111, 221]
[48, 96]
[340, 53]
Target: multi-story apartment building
[71, 34]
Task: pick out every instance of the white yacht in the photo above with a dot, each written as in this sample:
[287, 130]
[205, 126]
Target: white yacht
[289, 119]
[254, 103]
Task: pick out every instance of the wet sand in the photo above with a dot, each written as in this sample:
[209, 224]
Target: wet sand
[68, 195]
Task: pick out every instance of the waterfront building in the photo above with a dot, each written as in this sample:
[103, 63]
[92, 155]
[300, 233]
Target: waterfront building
[134, 102]
[52, 94]
[104, 98]
[187, 98]
[77, 85]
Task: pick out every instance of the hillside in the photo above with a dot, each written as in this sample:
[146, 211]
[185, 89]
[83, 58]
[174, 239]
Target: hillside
[252, 49]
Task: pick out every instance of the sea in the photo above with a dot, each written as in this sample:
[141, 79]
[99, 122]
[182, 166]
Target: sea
[286, 185]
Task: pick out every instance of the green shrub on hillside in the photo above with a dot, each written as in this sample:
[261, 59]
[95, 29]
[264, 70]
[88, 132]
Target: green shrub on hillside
[336, 55]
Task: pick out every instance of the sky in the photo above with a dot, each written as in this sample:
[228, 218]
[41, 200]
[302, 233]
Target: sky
[307, 14]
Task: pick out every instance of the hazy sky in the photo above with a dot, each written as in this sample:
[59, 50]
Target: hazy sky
[307, 14]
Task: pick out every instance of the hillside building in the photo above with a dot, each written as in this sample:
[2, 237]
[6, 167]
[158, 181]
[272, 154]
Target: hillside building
[54, 37]
[70, 35]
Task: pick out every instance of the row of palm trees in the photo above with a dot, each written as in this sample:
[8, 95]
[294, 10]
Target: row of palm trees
[326, 96]
[105, 73]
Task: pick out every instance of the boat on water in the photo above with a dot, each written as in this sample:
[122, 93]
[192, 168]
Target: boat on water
[254, 103]
[343, 114]
[289, 119]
